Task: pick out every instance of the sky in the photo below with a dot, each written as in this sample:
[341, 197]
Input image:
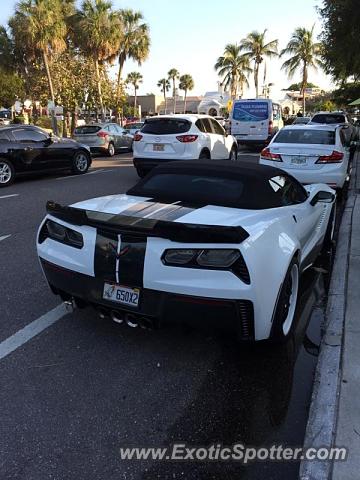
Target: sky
[191, 34]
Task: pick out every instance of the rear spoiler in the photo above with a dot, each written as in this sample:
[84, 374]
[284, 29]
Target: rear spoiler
[175, 231]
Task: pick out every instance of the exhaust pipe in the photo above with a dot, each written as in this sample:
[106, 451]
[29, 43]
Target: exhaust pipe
[146, 323]
[131, 321]
[116, 317]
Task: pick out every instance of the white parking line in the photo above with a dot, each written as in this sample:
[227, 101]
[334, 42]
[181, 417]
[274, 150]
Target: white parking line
[92, 172]
[4, 237]
[31, 330]
[8, 196]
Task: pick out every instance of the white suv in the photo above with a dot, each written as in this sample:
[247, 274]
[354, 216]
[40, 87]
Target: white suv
[181, 137]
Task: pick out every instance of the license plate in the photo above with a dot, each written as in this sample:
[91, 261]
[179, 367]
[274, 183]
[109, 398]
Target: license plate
[120, 294]
[299, 160]
[158, 147]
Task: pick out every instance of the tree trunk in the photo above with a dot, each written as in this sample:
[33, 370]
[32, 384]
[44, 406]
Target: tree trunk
[185, 95]
[165, 101]
[135, 101]
[304, 83]
[51, 88]
[121, 65]
[256, 79]
[98, 82]
[174, 95]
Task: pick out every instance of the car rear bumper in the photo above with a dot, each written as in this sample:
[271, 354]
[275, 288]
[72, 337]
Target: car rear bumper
[243, 140]
[156, 306]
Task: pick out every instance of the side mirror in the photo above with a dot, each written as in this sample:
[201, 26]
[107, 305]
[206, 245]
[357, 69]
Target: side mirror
[322, 196]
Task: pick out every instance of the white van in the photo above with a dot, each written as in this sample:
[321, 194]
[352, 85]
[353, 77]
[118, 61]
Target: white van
[255, 121]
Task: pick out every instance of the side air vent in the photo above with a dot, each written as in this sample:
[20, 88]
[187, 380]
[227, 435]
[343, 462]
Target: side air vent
[246, 316]
[240, 270]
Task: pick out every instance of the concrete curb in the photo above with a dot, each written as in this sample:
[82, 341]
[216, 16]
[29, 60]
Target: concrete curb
[321, 426]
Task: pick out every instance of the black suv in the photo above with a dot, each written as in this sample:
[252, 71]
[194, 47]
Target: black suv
[26, 149]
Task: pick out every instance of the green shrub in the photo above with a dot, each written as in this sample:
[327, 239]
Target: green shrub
[19, 119]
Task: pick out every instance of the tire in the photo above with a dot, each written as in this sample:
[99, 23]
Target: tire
[111, 150]
[7, 173]
[284, 312]
[81, 163]
[233, 154]
[204, 155]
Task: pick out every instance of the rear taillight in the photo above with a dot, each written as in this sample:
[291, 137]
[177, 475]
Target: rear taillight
[102, 134]
[270, 130]
[186, 138]
[137, 137]
[265, 153]
[335, 157]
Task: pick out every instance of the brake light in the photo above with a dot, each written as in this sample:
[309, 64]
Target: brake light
[270, 127]
[137, 137]
[102, 134]
[186, 138]
[265, 153]
[335, 157]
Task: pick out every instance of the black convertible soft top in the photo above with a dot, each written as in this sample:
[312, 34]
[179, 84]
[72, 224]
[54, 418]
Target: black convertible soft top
[224, 183]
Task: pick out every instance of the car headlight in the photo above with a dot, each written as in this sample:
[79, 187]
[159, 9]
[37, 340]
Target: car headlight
[61, 234]
[210, 259]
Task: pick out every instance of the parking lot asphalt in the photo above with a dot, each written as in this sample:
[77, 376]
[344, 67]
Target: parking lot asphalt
[84, 387]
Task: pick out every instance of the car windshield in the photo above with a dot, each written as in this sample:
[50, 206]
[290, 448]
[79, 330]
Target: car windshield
[87, 129]
[301, 120]
[306, 136]
[330, 118]
[133, 125]
[166, 126]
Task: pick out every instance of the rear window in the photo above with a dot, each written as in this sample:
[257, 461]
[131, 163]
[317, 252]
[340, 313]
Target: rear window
[133, 125]
[318, 137]
[166, 126]
[328, 118]
[251, 111]
[87, 129]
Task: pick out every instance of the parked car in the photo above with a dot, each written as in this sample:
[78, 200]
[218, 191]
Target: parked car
[336, 118]
[26, 149]
[311, 153]
[195, 241]
[181, 137]
[255, 121]
[301, 120]
[104, 138]
[133, 127]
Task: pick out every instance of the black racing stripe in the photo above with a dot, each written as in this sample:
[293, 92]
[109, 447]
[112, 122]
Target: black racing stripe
[138, 208]
[105, 255]
[131, 260]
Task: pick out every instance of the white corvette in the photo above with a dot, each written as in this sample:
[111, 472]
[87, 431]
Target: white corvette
[197, 241]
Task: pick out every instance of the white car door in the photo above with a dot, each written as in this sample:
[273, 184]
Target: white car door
[219, 141]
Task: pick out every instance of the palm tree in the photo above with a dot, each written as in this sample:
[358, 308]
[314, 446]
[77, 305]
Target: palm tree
[164, 84]
[186, 84]
[173, 75]
[257, 50]
[97, 33]
[41, 26]
[233, 68]
[135, 41]
[305, 54]
[134, 78]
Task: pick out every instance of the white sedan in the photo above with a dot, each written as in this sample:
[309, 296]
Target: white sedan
[181, 137]
[199, 242]
[311, 154]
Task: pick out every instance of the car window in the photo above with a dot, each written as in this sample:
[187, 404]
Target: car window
[113, 129]
[106, 128]
[87, 129]
[207, 125]
[28, 135]
[248, 111]
[287, 191]
[306, 136]
[217, 127]
[4, 137]
[328, 118]
[199, 124]
[166, 126]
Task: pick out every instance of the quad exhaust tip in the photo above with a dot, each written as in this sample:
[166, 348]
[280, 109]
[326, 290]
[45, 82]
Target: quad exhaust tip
[116, 317]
